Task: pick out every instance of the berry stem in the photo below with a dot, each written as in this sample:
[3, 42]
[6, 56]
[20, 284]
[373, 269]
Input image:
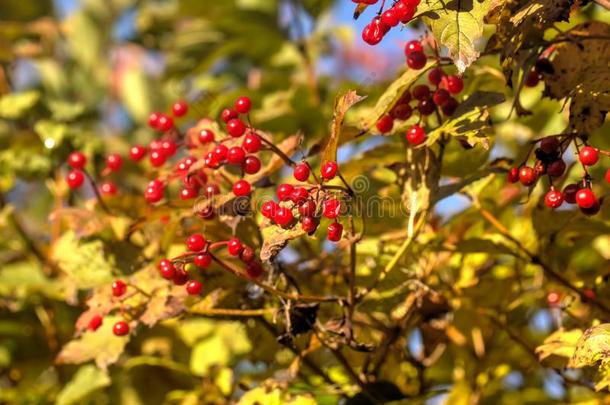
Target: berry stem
[98, 196]
[277, 151]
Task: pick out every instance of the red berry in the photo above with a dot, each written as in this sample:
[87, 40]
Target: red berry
[166, 269]
[513, 175]
[247, 255]
[435, 76]
[329, 170]
[307, 209]
[585, 198]
[157, 158]
[228, 114]
[252, 142]
[137, 152]
[301, 172]
[553, 199]
[440, 97]
[168, 147]
[188, 193]
[404, 11]
[236, 127]
[241, 188]
[401, 112]
[607, 176]
[426, 107]
[569, 193]
[532, 79]
[413, 46]
[588, 156]
[556, 168]
[196, 242]
[94, 323]
[416, 60]
[75, 178]
[283, 216]
[594, 209]
[309, 224]
[553, 298]
[335, 230]
[153, 194]
[194, 287]
[254, 269]
[118, 288]
[416, 135]
[212, 190]
[180, 277]
[243, 105]
[269, 208]
[205, 136]
[236, 155]
[114, 161]
[153, 120]
[165, 123]
[373, 33]
[421, 92]
[299, 195]
[121, 328]
[385, 124]
[108, 188]
[77, 160]
[331, 208]
[527, 176]
[453, 84]
[284, 191]
[220, 152]
[235, 247]
[389, 17]
[252, 165]
[180, 108]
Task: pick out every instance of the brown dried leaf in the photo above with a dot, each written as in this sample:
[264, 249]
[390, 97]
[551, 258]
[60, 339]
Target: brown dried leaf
[342, 104]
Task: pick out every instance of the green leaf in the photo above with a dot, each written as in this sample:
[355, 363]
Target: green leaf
[15, 105]
[561, 343]
[592, 347]
[51, 133]
[84, 262]
[87, 380]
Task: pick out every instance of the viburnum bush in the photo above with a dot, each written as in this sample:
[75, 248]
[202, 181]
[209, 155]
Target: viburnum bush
[240, 202]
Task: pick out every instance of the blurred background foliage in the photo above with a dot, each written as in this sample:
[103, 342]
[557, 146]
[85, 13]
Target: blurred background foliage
[85, 75]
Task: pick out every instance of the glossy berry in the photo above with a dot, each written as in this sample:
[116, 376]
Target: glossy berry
[513, 175]
[416, 135]
[301, 172]
[553, 298]
[118, 288]
[413, 46]
[373, 33]
[453, 84]
[180, 108]
[77, 160]
[195, 242]
[329, 170]
[228, 114]
[205, 136]
[588, 156]
[166, 269]
[153, 120]
[426, 107]
[390, 18]
[527, 176]
[385, 124]
[416, 60]
[553, 199]
[234, 247]
[94, 323]
[585, 198]
[252, 142]
[114, 161]
[165, 123]
[153, 194]
[252, 165]
[236, 127]
[236, 155]
[283, 216]
[335, 230]
[435, 76]
[194, 287]
[121, 328]
[168, 147]
[299, 195]
[137, 152]
[108, 188]
[220, 152]
[269, 208]
[404, 11]
[309, 224]
[243, 105]
[331, 208]
[211, 190]
[308, 209]
[569, 193]
[157, 158]
[75, 178]
[241, 188]
[202, 260]
[284, 191]
[180, 277]
[188, 193]
[440, 97]
[254, 269]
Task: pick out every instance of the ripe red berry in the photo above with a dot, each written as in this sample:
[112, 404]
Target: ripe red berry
[243, 105]
[114, 161]
[283, 216]
[196, 242]
[607, 176]
[153, 194]
[553, 199]
[157, 158]
[335, 230]
[269, 208]
[585, 198]
[153, 120]
[234, 247]
[108, 188]
[329, 170]
[452, 84]
[202, 260]
[211, 190]
[401, 112]
[553, 298]
[416, 60]
[373, 33]
[556, 168]
[180, 277]
[188, 193]
[385, 124]
[94, 323]
[180, 108]
[247, 254]
[121, 328]
[527, 176]
[118, 288]
[205, 136]
[166, 269]
[299, 195]
[569, 193]
[252, 165]
[309, 224]
[168, 147]
[301, 172]
[532, 79]
[137, 152]
[236, 127]
[435, 76]
[308, 208]
[254, 269]
[220, 152]
[331, 208]
[165, 123]
[228, 114]
[588, 156]
[236, 155]
[194, 287]
[416, 135]
[77, 160]
[413, 46]
[284, 191]
[513, 175]
[241, 188]
[440, 97]
[389, 17]
[404, 11]
[252, 142]
[75, 178]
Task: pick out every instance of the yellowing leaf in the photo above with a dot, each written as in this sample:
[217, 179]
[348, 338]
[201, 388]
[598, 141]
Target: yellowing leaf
[15, 105]
[86, 380]
[275, 396]
[592, 347]
[342, 104]
[561, 343]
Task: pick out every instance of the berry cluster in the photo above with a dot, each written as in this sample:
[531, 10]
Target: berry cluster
[435, 98]
[402, 11]
[549, 161]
